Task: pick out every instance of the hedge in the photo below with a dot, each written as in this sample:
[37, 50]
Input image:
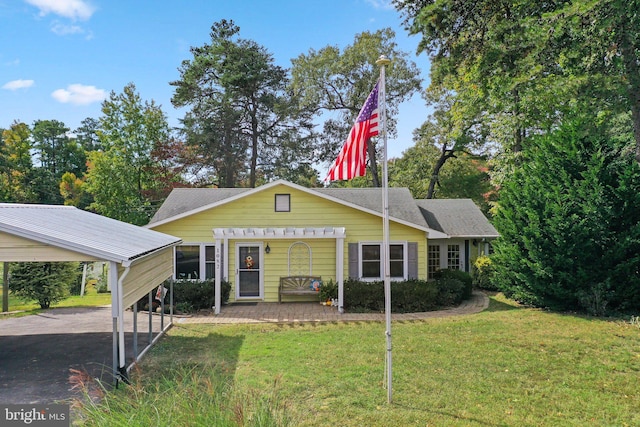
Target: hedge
[450, 288]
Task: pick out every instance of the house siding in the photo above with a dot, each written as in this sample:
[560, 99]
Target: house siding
[307, 210]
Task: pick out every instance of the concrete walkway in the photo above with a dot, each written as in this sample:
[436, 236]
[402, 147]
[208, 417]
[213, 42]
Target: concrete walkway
[313, 312]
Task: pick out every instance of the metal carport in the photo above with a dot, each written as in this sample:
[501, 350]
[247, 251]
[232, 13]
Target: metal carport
[139, 259]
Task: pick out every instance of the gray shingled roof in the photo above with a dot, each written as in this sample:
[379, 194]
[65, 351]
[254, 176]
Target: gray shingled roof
[456, 217]
[80, 231]
[401, 202]
[183, 200]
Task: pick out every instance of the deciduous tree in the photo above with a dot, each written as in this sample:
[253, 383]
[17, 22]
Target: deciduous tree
[518, 67]
[462, 176]
[17, 164]
[338, 82]
[120, 176]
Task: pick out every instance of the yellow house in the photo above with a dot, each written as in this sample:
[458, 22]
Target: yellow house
[253, 237]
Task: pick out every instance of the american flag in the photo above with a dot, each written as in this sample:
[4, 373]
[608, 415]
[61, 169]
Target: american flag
[351, 161]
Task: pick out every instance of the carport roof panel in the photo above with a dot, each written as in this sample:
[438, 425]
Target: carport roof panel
[81, 231]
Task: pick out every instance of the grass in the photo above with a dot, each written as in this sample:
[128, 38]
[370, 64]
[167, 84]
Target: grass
[506, 366]
[91, 299]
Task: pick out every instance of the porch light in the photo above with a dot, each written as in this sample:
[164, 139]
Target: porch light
[267, 249]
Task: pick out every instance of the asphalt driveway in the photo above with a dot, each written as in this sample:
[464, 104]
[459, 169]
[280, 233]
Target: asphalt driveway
[38, 351]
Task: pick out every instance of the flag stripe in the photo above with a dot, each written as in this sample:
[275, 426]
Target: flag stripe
[352, 159]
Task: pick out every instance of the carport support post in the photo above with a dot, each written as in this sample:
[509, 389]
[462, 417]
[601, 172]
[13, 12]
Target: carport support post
[135, 331]
[171, 300]
[150, 316]
[162, 306]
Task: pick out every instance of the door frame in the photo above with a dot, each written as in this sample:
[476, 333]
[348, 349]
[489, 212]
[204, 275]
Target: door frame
[262, 258]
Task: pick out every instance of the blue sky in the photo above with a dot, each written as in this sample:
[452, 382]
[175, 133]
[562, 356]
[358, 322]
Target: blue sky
[60, 58]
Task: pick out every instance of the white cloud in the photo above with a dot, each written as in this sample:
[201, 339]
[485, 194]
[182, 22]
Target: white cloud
[18, 84]
[62, 29]
[72, 9]
[380, 4]
[79, 94]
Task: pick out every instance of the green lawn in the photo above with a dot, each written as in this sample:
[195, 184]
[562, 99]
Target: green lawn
[507, 366]
[91, 299]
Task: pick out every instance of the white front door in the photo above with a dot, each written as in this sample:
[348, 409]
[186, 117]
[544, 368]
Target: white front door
[249, 271]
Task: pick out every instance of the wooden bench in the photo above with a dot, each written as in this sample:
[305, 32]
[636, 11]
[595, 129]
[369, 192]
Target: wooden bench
[297, 285]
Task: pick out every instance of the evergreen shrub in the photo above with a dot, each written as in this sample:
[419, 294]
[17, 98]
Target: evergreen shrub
[462, 276]
[197, 295]
[190, 296]
[569, 220]
[408, 296]
[482, 274]
[44, 282]
[451, 291]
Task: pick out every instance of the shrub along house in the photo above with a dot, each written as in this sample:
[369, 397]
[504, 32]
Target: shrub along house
[254, 237]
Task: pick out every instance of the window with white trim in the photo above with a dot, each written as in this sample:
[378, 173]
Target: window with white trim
[196, 262]
[210, 262]
[453, 257]
[433, 259]
[187, 262]
[371, 261]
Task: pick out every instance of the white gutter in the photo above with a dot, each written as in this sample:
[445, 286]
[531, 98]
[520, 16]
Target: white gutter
[120, 313]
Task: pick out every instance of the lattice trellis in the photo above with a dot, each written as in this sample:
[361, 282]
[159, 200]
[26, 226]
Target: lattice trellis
[299, 259]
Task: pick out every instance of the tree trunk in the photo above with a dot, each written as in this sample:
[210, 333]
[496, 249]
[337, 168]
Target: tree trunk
[445, 155]
[254, 149]
[373, 164]
[632, 71]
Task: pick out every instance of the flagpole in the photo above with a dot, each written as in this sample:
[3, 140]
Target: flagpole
[383, 61]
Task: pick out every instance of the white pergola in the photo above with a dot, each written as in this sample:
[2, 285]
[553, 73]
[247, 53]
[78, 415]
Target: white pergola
[139, 259]
[223, 235]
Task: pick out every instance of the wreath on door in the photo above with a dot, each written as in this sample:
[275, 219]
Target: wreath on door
[248, 261]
